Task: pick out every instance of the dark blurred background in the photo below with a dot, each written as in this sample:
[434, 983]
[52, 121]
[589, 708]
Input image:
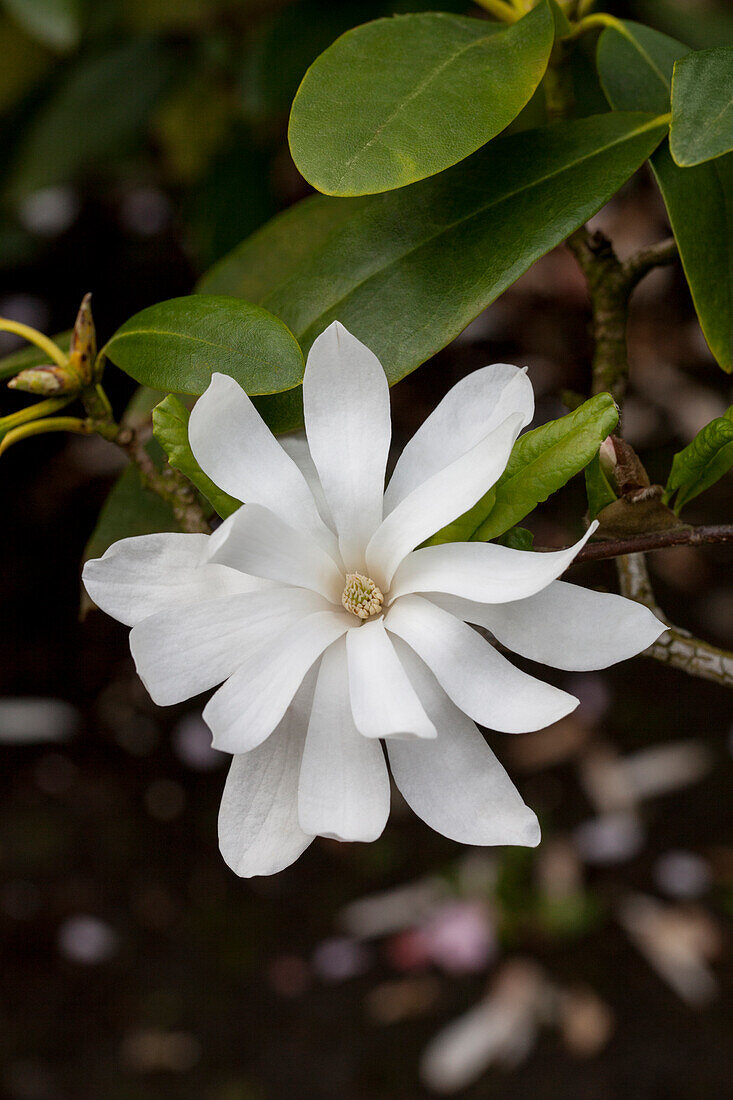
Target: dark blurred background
[141, 140]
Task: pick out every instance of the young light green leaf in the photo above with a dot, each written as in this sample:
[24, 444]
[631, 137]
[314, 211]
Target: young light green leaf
[30, 356]
[702, 106]
[636, 72]
[56, 23]
[177, 345]
[400, 99]
[544, 460]
[598, 488]
[701, 463]
[406, 271]
[170, 428]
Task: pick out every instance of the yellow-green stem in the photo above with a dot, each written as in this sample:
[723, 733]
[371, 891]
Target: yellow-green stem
[53, 351]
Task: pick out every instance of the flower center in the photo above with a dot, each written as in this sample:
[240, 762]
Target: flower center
[361, 596]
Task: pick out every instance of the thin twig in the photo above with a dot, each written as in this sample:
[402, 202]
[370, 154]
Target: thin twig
[676, 647]
[704, 535]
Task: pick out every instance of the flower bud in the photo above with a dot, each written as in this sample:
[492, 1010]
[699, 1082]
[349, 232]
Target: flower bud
[83, 346]
[48, 381]
[607, 456]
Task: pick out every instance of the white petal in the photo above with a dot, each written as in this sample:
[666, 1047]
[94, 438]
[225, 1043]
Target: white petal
[257, 541]
[344, 787]
[186, 650]
[259, 831]
[475, 406]
[246, 709]
[483, 571]
[234, 446]
[347, 422]
[296, 446]
[383, 701]
[476, 677]
[455, 783]
[439, 500]
[565, 626]
[138, 576]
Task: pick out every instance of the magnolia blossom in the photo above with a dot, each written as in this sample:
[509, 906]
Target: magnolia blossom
[330, 632]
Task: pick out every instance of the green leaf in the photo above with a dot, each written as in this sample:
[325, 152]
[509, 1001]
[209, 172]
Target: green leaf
[170, 428]
[701, 463]
[406, 271]
[516, 538]
[30, 356]
[636, 72]
[702, 106]
[177, 345]
[98, 110]
[598, 488]
[56, 23]
[400, 99]
[562, 23]
[130, 509]
[544, 460]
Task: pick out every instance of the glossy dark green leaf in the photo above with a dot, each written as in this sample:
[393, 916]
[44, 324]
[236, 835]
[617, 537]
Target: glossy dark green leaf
[30, 356]
[702, 106]
[99, 108]
[516, 538]
[703, 26]
[170, 428]
[636, 71]
[406, 271]
[400, 99]
[56, 23]
[545, 459]
[598, 488]
[177, 345]
[701, 463]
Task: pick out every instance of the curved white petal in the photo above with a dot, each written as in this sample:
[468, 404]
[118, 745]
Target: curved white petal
[455, 783]
[472, 409]
[565, 626]
[233, 445]
[259, 831]
[476, 677]
[343, 791]
[440, 499]
[246, 709]
[296, 446]
[183, 651]
[258, 542]
[482, 571]
[347, 422]
[383, 701]
[139, 576]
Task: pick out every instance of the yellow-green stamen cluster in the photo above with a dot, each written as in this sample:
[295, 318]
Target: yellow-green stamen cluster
[361, 596]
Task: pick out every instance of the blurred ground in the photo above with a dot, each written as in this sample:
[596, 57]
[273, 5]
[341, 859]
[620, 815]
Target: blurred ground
[136, 965]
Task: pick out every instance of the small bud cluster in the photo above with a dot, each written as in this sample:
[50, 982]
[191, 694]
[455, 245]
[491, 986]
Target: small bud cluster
[361, 596]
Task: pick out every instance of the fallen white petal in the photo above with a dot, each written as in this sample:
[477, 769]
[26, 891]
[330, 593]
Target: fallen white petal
[347, 422]
[233, 445]
[383, 701]
[439, 500]
[483, 571]
[140, 576]
[476, 677]
[246, 709]
[259, 831]
[455, 783]
[565, 626]
[343, 791]
[258, 542]
[186, 650]
[472, 409]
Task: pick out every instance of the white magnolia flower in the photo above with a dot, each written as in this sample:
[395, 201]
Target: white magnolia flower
[329, 631]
